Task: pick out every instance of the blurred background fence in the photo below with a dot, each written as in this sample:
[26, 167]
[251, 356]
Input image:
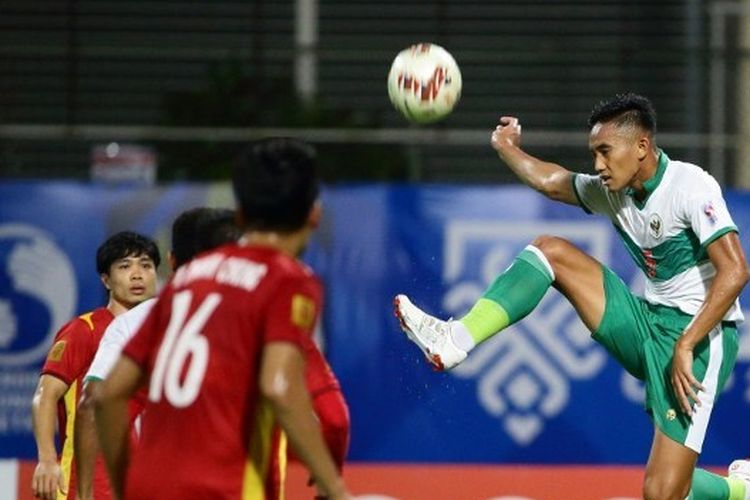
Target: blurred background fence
[195, 79]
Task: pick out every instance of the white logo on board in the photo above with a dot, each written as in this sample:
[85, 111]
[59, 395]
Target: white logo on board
[38, 269]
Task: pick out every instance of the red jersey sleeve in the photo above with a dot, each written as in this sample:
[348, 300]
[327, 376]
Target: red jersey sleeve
[70, 355]
[318, 373]
[293, 311]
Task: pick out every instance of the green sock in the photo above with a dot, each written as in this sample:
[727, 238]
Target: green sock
[709, 486]
[737, 488]
[513, 295]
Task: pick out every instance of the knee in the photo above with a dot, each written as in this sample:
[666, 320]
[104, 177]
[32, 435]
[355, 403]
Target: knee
[553, 247]
[664, 487]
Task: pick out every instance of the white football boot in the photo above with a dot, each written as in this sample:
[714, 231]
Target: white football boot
[740, 469]
[432, 336]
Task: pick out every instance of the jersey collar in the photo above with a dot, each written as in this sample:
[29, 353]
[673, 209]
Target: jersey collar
[651, 184]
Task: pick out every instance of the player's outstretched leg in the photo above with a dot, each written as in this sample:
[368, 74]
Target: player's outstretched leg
[513, 295]
[433, 336]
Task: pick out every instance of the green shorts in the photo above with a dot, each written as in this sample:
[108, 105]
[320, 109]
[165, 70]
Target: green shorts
[641, 336]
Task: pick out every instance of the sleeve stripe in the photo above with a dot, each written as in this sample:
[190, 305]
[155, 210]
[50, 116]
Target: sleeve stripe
[718, 234]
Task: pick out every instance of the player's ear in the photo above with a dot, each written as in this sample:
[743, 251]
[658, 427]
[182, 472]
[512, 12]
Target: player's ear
[172, 261]
[105, 280]
[315, 215]
[644, 146]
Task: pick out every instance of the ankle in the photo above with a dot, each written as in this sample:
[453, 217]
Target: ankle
[461, 336]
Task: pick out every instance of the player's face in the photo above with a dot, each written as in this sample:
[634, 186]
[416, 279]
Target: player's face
[131, 280]
[617, 153]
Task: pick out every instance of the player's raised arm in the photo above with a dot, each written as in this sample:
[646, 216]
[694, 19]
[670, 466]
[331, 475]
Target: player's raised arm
[550, 179]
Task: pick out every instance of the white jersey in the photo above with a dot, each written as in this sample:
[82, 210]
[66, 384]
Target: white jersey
[667, 233]
[117, 334]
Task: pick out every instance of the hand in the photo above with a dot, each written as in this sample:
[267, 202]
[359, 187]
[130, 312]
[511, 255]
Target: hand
[344, 495]
[338, 493]
[508, 133]
[684, 383]
[47, 480]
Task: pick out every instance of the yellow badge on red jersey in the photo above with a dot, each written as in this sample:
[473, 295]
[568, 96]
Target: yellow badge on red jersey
[88, 318]
[303, 311]
[55, 354]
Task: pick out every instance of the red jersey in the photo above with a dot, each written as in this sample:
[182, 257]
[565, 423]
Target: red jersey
[332, 412]
[69, 359]
[330, 407]
[204, 432]
[328, 402]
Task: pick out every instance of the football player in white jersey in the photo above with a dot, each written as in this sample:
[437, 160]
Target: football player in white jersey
[675, 224]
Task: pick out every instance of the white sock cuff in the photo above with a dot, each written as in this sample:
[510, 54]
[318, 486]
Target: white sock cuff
[542, 258]
[461, 336]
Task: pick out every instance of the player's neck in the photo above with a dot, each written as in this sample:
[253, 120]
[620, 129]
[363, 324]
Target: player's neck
[116, 307]
[645, 173]
[288, 243]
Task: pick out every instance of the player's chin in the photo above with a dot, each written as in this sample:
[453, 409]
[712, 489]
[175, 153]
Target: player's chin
[133, 299]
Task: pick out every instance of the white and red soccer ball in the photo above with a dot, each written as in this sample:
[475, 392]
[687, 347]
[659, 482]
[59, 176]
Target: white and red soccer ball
[424, 82]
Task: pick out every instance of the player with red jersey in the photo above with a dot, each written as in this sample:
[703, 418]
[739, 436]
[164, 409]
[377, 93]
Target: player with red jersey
[329, 404]
[194, 231]
[223, 352]
[126, 263]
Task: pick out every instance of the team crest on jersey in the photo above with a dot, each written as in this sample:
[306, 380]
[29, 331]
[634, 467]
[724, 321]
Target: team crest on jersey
[303, 311]
[55, 354]
[655, 226]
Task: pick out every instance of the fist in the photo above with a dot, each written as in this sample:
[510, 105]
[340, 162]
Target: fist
[507, 133]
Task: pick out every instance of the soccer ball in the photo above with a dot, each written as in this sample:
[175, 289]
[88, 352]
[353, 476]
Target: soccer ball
[424, 82]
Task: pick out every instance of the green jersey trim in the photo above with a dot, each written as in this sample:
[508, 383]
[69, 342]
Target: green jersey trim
[718, 234]
[94, 378]
[668, 259]
[651, 184]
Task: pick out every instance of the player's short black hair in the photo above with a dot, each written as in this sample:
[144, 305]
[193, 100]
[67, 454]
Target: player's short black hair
[276, 184]
[626, 109]
[125, 244]
[200, 229]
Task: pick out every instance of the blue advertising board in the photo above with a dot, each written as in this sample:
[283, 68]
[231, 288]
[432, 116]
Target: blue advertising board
[542, 391]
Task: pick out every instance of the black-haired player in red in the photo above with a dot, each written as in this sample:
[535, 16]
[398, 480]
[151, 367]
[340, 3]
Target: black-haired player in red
[126, 263]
